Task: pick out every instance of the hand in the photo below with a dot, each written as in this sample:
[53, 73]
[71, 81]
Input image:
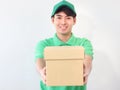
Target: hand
[87, 66]
[43, 74]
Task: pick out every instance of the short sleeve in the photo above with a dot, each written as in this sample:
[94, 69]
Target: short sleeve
[88, 48]
[39, 50]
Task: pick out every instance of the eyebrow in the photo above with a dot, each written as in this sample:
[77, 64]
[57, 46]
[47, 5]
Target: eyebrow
[61, 15]
[58, 15]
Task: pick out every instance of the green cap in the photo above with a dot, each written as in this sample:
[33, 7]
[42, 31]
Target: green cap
[63, 3]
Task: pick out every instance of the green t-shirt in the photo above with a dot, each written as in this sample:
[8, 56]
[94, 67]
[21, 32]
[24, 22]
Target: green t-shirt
[55, 41]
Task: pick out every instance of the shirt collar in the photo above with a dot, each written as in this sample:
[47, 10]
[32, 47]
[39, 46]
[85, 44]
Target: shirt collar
[58, 42]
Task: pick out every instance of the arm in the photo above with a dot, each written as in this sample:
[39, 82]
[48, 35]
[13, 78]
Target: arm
[87, 66]
[40, 65]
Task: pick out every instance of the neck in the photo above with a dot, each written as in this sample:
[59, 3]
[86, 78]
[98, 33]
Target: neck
[64, 37]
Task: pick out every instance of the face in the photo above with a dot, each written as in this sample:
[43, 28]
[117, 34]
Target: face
[63, 23]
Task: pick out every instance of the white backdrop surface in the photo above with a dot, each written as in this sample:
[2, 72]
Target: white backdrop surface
[24, 22]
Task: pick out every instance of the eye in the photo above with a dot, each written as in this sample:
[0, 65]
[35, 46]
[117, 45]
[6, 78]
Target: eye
[58, 17]
[68, 17]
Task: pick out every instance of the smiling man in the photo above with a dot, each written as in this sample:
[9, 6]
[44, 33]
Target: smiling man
[63, 18]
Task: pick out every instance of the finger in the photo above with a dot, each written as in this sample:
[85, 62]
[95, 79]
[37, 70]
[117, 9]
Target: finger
[85, 74]
[84, 69]
[44, 70]
[43, 77]
[43, 74]
[85, 79]
[44, 81]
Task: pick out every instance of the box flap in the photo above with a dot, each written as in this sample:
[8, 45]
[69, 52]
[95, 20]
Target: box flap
[63, 52]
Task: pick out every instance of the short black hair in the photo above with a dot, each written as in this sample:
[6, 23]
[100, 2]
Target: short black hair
[66, 10]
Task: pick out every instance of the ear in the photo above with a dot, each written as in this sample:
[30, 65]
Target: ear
[52, 19]
[74, 19]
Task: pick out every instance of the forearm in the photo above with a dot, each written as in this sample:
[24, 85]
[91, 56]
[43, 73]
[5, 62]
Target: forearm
[88, 59]
[40, 64]
[87, 63]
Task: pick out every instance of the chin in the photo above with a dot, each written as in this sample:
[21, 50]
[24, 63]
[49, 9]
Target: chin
[65, 33]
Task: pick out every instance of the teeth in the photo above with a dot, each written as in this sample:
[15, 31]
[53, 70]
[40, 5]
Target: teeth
[63, 27]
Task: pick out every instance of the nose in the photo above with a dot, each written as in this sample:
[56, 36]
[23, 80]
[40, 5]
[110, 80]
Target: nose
[63, 21]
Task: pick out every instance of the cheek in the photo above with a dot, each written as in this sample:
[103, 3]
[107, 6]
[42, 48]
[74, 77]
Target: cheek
[56, 22]
[56, 25]
[71, 24]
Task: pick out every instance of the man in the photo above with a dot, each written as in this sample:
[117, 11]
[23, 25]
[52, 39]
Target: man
[63, 17]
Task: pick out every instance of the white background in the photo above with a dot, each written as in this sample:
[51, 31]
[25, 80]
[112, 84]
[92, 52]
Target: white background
[24, 22]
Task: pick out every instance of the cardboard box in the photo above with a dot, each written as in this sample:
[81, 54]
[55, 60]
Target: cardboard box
[64, 65]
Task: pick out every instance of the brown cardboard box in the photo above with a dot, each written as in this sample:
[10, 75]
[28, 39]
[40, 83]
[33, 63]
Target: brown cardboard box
[64, 65]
